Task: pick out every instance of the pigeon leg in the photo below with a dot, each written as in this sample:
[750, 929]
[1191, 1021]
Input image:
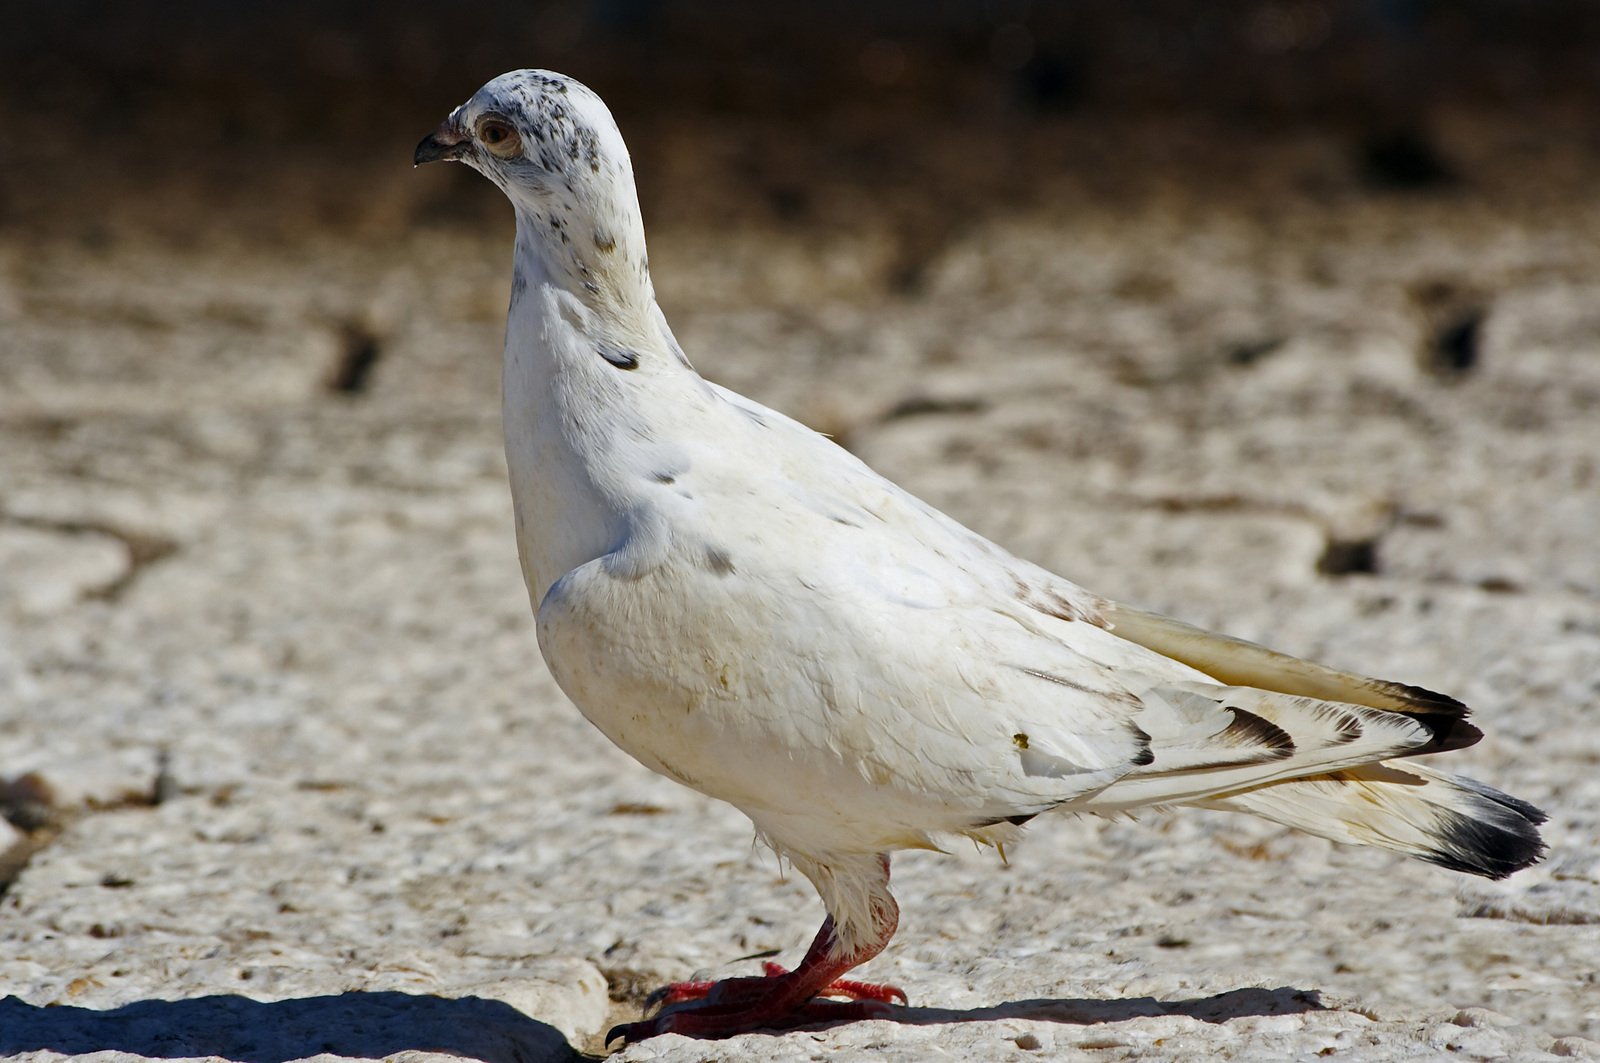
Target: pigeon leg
[782, 999]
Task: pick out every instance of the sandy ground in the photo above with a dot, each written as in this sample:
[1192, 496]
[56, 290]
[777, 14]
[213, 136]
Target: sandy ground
[290, 779]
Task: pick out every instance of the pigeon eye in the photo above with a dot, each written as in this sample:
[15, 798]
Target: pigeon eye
[499, 137]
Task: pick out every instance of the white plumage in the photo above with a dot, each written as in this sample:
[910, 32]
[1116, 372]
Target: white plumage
[747, 608]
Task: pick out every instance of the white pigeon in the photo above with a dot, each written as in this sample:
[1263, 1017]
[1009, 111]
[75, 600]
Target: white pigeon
[745, 607]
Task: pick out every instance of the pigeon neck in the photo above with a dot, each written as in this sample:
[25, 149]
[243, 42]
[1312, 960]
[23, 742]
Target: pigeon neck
[603, 267]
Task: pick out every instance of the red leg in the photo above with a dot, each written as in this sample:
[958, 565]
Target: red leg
[782, 999]
[727, 990]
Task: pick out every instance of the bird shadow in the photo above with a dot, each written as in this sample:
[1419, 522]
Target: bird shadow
[1234, 1004]
[375, 1025]
[370, 1025]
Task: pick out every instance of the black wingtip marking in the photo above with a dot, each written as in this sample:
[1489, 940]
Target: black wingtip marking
[1517, 806]
[1258, 733]
[1421, 699]
[1145, 755]
[1444, 717]
[1500, 839]
[1444, 733]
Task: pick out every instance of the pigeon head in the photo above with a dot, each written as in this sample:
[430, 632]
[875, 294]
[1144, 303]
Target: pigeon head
[536, 134]
[552, 147]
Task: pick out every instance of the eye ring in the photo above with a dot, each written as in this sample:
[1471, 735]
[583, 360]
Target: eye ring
[499, 136]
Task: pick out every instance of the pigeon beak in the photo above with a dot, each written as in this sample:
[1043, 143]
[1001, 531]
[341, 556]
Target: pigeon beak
[445, 144]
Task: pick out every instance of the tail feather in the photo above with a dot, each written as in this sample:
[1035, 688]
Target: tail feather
[1208, 740]
[1236, 662]
[1335, 777]
[1455, 822]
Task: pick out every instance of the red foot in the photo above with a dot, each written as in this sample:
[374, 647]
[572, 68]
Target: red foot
[782, 999]
[741, 990]
[848, 988]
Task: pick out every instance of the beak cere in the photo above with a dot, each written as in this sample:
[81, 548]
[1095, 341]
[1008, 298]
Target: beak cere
[445, 144]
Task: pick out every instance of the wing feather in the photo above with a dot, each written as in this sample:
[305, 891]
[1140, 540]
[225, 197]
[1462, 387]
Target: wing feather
[1236, 662]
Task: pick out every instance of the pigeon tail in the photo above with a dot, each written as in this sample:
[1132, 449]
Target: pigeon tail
[1455, 822]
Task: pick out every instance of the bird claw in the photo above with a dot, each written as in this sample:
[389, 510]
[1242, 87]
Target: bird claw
[864, 992]
[676, 993]
[736, 990]
[849, 988]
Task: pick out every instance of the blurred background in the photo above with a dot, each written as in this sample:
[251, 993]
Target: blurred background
[177, 111]
[1279, 315]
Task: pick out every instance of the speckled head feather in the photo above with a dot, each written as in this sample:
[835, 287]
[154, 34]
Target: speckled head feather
[564, 135]
[550, 144]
